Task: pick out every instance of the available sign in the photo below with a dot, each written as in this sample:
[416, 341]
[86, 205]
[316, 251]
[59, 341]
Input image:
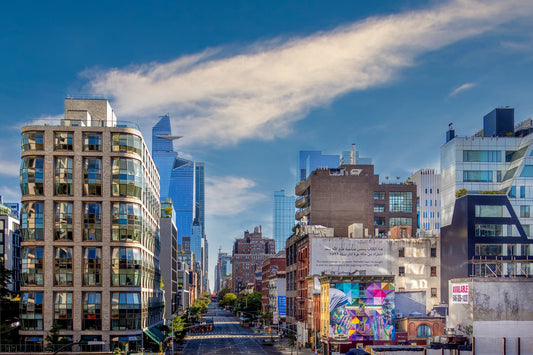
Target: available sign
[460, 293]
[282, 306]
[275, 318]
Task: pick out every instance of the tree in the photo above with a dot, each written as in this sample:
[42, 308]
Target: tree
[5, 278]
[222, 293]
[229, 300]
[181, 325]
[53, 339]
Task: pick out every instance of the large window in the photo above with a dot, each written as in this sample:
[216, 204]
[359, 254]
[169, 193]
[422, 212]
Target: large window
[379, 195]
[63, 309]
[482, 156]
[125, 310]
[127, 177]
[126, 222]
[510, 173]
[126, 267]
[63, 266]
[511, 155]
[524, 211]
[400, 221]
[492, 211]
[92, 316]
[92, 266]
[477, 176]
[401, 201]
[32, 141]
[63, 176]
[31, 176]
[123, 142]
[379, 221]
[63, 141]
[92, 142]
[527, 171]
[92, 221]
[423, 331]
[63, 221]
[92, 177]
[379, 208]
[32, 221]
[489, 249]
[31, 311]
[496, 230]
[32, 266]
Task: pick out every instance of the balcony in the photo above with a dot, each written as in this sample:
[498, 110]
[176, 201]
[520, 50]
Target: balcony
[301, 188]
[302, 202]
[302, 213]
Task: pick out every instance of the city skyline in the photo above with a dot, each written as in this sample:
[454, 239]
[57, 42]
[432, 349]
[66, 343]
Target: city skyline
[250, 85]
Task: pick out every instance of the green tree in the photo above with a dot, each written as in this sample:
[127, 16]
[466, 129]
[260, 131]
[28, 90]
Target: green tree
[54, 340]
[229, 300]
[181, 326]
[5, 278]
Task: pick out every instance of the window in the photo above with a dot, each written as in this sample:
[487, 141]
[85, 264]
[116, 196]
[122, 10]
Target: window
[92, 142]
[92, 221]
[126, 267]
[482, 156]
[522, 191]
[433, 292]
[379, 221]
[499, 176]
[127, 177]
[123, 142]
[379, 208]
[489, 249]
[63, 141]
[423, 331]
[512, 192]
[31, 311]
[401, 252]
[31, 176]
[511, 155]
[379, 195]
[92, 266]
[401, 271]
[400, 221]
[32, 141]
[433, 252]
[63, 266]
[510, 173]
[32, 266]
[63, 176]
[63, 309]
[92, 177]
[126, 221]
[496, 230]
[400, 201]
[477, 176]
[63, 221]
[433, 271]
[92, 316]
[492, 211]
[524, 212]
[526, 229]
[125, 310]
[32, 221]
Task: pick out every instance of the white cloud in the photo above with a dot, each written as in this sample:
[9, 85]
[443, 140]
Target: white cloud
[263, 90]
[10, 194]
[230, 195]
[10, 166]
[44, 120]
[464, 87]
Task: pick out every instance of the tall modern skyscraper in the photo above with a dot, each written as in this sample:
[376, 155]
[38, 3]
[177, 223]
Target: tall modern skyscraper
[90, 230]
[310, 160]
[284, 211]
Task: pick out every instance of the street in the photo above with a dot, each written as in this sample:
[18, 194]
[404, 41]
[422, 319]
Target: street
[228, 337]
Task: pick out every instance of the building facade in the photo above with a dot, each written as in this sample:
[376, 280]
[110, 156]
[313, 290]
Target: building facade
[310, 160]
[427, 183]
[169, 259]
[249, 253]
[223, 269]
[283, 218]
[350, 194]
[90, 229]
[10, 245]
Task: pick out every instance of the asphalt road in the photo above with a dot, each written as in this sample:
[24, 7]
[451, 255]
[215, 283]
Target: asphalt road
[228, 337]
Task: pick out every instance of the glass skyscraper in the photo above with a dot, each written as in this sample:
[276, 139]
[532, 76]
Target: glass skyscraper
[310, 160]
[284, 211]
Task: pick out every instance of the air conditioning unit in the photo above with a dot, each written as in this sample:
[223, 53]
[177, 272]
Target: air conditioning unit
[399, 315]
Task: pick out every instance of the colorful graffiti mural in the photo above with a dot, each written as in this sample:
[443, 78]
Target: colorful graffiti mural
[362, 311]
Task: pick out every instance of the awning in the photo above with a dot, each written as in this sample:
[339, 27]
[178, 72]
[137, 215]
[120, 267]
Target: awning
[155, 334]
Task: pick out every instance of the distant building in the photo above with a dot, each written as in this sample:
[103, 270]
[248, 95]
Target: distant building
[249, 253]
[168, 259]
[223, 270]
[310, 160]
[283, 218]
[10, 244]
[428, 202]
[90, 230]
[273, 282]
[351, 194]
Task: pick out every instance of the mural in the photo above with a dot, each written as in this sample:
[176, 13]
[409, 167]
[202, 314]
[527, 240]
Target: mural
[362, 311]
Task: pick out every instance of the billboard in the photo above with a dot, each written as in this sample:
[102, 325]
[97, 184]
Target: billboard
[460, 293]
[362, 311]
[282, 306]
[348, 255]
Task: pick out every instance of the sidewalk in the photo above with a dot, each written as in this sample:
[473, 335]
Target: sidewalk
[283, 347]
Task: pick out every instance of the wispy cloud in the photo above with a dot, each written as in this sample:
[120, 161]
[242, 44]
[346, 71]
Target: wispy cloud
[230, 195]
[10, 165]
[43, 120]
[10, 194]
[464, 87]
[260, 92]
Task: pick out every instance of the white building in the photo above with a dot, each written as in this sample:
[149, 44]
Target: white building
[427, 183]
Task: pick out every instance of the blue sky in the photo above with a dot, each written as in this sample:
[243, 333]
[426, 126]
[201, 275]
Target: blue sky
[250, 83]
